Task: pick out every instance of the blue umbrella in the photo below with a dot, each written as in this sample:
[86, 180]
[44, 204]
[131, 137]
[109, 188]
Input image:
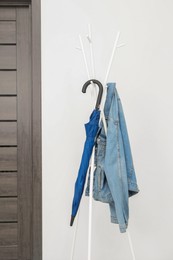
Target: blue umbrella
[91, 129]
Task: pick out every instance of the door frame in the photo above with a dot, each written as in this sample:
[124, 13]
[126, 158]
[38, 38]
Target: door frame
[35, 6]
[37, 128]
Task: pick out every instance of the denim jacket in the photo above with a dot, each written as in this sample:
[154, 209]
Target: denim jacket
[114, 176]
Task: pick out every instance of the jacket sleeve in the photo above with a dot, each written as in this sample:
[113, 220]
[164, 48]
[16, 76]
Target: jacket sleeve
[132, 182]
[115, 169]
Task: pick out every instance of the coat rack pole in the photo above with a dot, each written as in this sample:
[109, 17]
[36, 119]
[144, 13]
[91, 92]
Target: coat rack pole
[90, 205]
[105, 81]
[92, 157]
[131, 245]
[87, 70]
[112, 57]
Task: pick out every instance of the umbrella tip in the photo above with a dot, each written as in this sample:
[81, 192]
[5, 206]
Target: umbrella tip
[72, 220]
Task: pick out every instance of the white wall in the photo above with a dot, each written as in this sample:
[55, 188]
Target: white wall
[143, 72]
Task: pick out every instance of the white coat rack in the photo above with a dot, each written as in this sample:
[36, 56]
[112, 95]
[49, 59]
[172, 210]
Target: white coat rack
[115, 47]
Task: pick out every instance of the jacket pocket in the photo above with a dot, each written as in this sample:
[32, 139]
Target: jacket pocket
[101, 188]
[100, 178]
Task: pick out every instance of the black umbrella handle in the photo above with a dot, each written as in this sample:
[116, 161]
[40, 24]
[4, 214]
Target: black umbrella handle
[99, 84]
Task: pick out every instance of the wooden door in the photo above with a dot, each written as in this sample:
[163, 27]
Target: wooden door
[16, 135]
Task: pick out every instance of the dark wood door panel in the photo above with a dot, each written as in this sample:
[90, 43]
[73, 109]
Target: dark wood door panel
[7, 82]
[8, 133]
[8, 209]
[8, 253]
[8, 234]
[8, 159]
[7, 32]
[8, 108]
[8, 183]
[7, 13]
[7, 57]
